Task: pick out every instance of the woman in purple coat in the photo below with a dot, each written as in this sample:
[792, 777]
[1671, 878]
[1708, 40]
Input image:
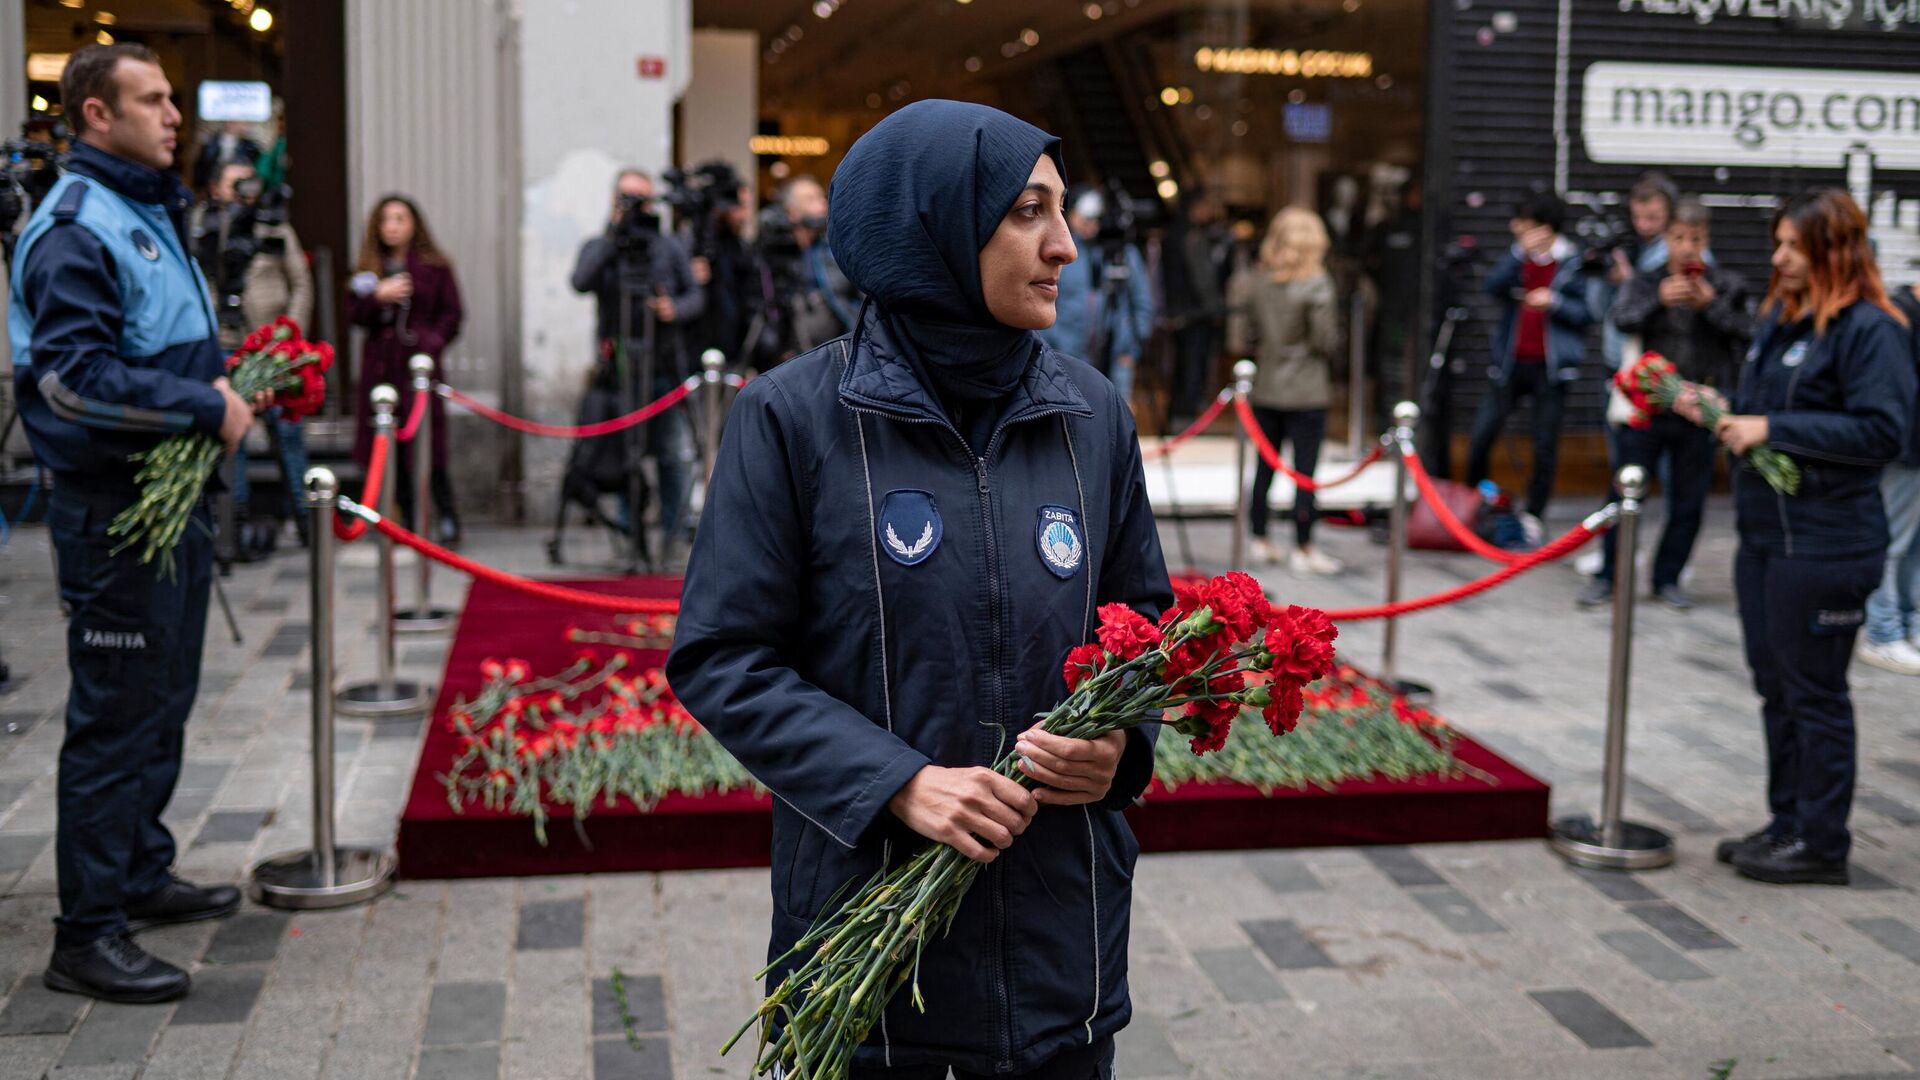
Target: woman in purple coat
[405, 297]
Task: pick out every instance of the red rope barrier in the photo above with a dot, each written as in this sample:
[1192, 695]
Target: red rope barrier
[619, 605]
[1564, 546]
[1448, 521]
[414, 417]
[354, 528]
[1206, 420]
[1271, 455]
[569, 431]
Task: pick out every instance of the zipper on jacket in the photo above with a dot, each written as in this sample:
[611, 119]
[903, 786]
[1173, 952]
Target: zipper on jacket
[983, 484]
[1780, 497]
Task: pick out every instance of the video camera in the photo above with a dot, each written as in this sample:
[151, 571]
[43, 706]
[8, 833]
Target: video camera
[696, 194]
[258, 207]
[29, 167]
[1600, 234]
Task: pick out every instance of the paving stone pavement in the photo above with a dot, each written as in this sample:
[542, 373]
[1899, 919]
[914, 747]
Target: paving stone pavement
[1482, 961]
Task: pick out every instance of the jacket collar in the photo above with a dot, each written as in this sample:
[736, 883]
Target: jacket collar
[878, 377]
[130, 180]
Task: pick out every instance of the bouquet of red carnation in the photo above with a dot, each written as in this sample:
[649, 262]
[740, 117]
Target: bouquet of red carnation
[273, 358]
[1193, 664]
[1651, 384]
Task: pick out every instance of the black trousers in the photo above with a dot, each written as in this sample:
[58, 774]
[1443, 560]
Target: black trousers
[439, 488]
[1549, 407]
[1093, 1062]
[133, 651]
[1799, 618]
[1194, 347]
[1688, 451]
[1306, 429]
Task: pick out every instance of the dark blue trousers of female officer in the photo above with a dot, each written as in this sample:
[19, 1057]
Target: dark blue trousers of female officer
[1800, 618]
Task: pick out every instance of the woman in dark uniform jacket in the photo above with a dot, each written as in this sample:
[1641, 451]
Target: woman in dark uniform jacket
[404, 295]
[908, 528]
[1830, 382]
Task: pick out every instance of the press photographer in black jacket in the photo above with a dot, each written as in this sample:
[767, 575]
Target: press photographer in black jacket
[1694, 313]
[1830, 382]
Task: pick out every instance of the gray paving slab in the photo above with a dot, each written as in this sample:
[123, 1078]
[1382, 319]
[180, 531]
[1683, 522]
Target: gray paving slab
[32, 1009]
[1653, 956]
[220, 996]
[1679, 927]
[18, 850]
[1239, 975]
[1285, 945]
[1893, 935]
[1402, 866]
[464, 1013]
[1284, 872]
[458, 1062]
[1142, 1051]
[1614, 884]
[251, 937]
[552, 924]
[1456, 911]
[1589, 1020]
[645, 1058]
[115, 1035]
[645, 1007]
[230, 826]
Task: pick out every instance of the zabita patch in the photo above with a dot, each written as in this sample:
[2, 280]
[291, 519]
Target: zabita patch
[1059, 536]
[909, 526]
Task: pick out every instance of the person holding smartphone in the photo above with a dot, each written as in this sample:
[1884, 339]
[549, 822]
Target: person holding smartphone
[1697, 315]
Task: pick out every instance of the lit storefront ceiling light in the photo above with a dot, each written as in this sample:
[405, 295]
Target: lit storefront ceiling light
[789, 145]
[46, 66]
[105, 18]
[1167, 189]
[261, 19]
[39, 103]
[1159, 170]
[1306, 64]
[103, 38]
[1170, 95]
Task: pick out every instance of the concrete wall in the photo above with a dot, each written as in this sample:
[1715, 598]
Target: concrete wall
[721, 110]
[587, 111]
[431, 114]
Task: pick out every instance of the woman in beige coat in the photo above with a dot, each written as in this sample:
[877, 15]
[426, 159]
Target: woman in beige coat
[1283, 315]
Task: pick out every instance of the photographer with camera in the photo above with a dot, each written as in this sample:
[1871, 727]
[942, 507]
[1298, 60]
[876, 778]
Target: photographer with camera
[114, 350]
[729, 267]
[1105, 303]
[1695, 315]
[821, 302]
[643, 282]
[258, 272]
[1538, 345]
[1617, 252]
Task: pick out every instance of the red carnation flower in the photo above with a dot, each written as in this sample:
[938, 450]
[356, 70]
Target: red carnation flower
[1284, 706]
[1125, 632]
[1218, 717]
[1252, 595]
[1083, 661]
[491, 669]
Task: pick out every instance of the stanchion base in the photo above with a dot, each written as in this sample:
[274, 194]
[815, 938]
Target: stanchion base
[1642, 847]
[433, 620]
[292, 879]
[404, 698]
[1416, 693]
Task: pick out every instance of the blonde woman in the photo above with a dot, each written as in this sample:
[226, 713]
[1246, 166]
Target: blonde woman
[1283, 315]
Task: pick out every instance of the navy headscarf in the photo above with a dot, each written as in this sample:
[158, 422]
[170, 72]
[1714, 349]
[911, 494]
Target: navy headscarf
[913, 203]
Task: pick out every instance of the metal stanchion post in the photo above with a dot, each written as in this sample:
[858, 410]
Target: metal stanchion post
[1243, 373]
[713, 363]
[1357, 376]
[422, 617]
[1399, 441]
[326, 875]
[1614, 843]
[386, 695]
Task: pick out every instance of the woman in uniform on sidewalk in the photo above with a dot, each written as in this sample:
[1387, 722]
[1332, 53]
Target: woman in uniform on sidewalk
[1830, 382]
[907, 530]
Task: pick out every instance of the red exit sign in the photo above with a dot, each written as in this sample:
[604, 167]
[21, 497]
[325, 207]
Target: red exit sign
[653, 67]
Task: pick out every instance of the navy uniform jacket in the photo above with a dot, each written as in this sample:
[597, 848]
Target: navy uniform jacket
[113, 333]
[865, 597]
[1839, 404]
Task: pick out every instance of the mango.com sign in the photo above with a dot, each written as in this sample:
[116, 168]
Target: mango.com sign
[1676, 114]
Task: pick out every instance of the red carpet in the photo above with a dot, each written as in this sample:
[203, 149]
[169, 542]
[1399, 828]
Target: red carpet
[684, 833]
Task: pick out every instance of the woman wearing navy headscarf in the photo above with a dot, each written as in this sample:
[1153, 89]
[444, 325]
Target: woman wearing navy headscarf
[907, 530]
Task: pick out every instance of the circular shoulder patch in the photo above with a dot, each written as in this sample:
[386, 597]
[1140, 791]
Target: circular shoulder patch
[148, 248]
[909, 526]
[1057, 533]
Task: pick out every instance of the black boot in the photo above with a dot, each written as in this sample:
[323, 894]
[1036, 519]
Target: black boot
[1756, 841]
[1789, 862]
[182, 902]
[114, 969]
